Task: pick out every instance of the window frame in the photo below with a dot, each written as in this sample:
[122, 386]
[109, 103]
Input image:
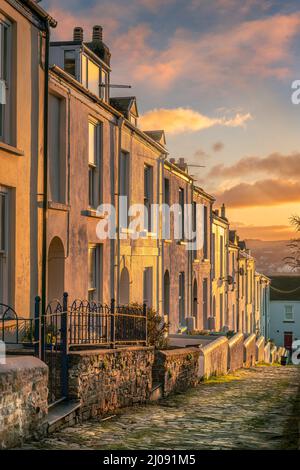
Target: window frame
[292, 312]
[96, 249]
[95, 175]
[148, 197]
[5, 123]
[4, 250]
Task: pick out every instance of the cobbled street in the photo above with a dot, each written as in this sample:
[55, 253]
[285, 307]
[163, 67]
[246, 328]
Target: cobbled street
[251, 409]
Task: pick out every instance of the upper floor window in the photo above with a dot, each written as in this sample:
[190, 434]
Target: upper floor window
[95, 131]
[70, 62]
[57, 164]
[205, 230]
[148, 197]
[124, 188]
[95, 78]
[221, 256]
[5, 78]
[288, 313]
[181, 211]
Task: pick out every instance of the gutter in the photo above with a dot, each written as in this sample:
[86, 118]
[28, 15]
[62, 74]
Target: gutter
[41, 13]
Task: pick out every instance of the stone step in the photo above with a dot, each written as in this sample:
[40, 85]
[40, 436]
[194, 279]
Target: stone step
[63, 414]
[156, 392]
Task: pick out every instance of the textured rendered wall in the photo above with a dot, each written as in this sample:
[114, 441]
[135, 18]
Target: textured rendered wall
[214, 358]
[236, 352]
[250, 351]
[260, 349]
[23, 400]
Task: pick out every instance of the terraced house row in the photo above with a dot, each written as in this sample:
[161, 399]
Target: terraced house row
[68, 147]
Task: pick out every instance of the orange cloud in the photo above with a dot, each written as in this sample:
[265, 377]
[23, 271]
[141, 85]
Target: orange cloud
[287, 166]
[263, 232]
[179, 120]
[261, 193]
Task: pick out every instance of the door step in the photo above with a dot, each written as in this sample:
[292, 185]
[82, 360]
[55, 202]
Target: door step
[156, 392]
[63, 414]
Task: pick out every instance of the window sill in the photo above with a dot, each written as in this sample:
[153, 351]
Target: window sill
[168, 240]
[58, 206]
[196, 261]
[288, 321]
[11, 149]
[182, 242]
[92, 213]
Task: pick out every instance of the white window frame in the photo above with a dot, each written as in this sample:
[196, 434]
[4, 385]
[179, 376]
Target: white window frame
[5, 124]
[94, 292]
[286, 319]
[4, 247]
[95, 174]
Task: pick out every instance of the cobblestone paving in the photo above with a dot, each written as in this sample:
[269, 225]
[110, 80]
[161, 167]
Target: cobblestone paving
[253, 409]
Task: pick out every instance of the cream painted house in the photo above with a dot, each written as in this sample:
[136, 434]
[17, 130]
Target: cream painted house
[24, 31]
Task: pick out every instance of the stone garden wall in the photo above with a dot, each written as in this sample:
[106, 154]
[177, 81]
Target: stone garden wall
[176, 369]
[213, 358]
[236, 352]
[23, 400]
[267, 353]
[104, 380]
[260, 349]
[250, 351]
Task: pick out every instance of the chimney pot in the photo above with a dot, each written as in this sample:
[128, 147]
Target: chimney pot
[78, 34]
[172, 160]
[97, 33]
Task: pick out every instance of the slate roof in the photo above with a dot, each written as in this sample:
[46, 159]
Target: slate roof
[122, 104]
[158, 136]
[285, 283]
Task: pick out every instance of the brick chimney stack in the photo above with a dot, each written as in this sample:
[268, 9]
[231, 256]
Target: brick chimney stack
[97, 33]
[78, 34]
[182, 164]
[223, 211]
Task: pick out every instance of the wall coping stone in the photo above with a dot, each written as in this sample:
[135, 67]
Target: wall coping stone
[178, 351]
[15, 363]
[260, 341]
[249, 339]
[214, 344]
[235, 339]
[103, 351]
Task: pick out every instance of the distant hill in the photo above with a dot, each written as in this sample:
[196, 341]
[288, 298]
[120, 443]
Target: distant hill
[269, 256]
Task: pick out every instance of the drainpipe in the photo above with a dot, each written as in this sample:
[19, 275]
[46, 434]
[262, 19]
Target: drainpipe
[160, 242]
[45, 175]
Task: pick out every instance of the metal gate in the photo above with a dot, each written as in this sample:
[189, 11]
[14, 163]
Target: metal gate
[54, 347]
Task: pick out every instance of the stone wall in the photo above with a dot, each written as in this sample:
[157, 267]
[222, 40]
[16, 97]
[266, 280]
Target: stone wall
[104, 380]
[260, 349]
[176, 369]
[236, 352]
[213, 358]
[273, 355]
[267, 352]
[250, 351]
[23, 400]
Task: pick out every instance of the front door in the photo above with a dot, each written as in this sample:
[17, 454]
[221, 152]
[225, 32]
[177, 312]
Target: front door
[288, 340]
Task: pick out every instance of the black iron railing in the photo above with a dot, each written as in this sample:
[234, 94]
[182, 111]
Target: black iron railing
[63, 327]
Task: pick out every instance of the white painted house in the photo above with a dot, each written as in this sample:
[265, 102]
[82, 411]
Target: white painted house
[285, 310]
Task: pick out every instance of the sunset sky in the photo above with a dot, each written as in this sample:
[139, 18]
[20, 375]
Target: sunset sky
[216, 75]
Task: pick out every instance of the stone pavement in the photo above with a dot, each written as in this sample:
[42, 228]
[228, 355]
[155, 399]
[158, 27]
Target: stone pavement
[251, 409]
